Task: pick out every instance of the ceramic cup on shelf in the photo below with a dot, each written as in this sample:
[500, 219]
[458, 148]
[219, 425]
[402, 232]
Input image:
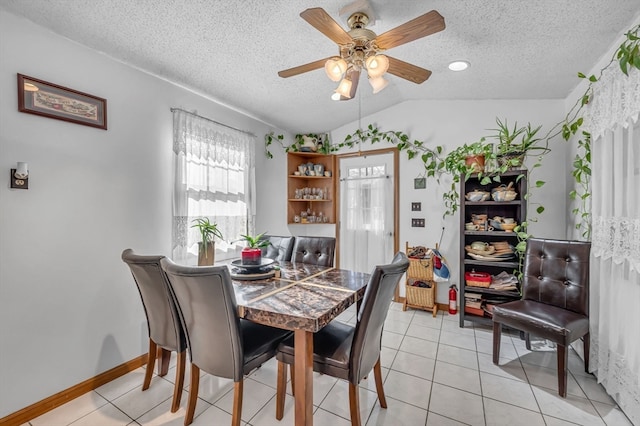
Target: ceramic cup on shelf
[470, 226]
[479, 245]
[327, 173]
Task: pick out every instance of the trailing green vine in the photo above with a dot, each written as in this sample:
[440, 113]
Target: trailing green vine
[371, 134]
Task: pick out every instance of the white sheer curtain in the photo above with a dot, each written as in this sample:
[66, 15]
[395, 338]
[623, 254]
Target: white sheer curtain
[612, 119]
[214, 178]
[364, 196]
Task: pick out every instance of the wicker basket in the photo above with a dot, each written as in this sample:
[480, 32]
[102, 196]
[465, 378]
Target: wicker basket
[420, 268]
[512, 160]
[420, 297]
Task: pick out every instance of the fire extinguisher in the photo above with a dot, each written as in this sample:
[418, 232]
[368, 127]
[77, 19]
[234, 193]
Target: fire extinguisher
[453, 299]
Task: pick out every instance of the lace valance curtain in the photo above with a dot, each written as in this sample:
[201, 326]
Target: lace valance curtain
[214, 178]
[612, 119]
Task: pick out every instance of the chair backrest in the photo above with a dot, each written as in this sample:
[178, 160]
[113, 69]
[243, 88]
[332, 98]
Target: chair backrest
[314, 250]
[279, 248]
[162, 319]
[365, 348]
[556, 272]
[207, 308]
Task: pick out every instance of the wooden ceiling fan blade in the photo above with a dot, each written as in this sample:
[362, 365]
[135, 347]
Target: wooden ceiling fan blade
[324, 23]
[408, 71]
[422, 26]
[300, 69]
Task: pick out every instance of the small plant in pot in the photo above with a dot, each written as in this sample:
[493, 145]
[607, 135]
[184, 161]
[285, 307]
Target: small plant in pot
[460, 164]
[252, 253]
[514, 144]
[207, 246]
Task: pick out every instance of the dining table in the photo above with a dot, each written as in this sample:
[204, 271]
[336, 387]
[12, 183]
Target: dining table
[303, 298]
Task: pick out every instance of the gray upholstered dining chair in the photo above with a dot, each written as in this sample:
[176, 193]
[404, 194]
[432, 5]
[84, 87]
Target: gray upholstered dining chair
[351, 352]
[555, 300]
[279, 248]
[165, 330]
[218, 341]
[314, 250]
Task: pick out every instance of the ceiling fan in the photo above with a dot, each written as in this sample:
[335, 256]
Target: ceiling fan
[361, 49]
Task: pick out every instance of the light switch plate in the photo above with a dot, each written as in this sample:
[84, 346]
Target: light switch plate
[416, 207]
[417, 223]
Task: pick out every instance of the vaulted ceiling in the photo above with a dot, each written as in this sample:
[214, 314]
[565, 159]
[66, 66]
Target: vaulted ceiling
[231, 51]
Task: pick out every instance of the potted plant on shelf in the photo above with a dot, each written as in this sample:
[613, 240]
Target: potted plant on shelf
[514, 144]
[207, 245]
[252, 253]
[461, 163]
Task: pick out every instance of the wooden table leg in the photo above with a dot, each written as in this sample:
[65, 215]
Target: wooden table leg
[303, 384]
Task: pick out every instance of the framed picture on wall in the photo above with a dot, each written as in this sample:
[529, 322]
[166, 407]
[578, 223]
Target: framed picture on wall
[51, 100]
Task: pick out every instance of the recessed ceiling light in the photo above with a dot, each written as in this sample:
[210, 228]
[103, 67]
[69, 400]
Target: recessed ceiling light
[458, 65]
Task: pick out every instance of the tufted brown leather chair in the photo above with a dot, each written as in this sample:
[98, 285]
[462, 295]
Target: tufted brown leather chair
[279, 248]
[219, 342]
[314, 250]
[165, 330]
[347, 352]
[555, 300]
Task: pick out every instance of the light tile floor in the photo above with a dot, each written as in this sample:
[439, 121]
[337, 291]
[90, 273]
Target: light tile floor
[434, 372]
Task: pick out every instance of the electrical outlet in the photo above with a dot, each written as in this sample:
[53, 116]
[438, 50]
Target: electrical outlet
[417, 223]
[416, 207]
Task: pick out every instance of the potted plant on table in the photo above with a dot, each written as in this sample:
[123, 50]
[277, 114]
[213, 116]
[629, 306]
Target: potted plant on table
[252, 253]
[207, 245]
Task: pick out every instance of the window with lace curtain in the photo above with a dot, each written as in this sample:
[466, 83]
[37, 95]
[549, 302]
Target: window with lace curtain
[214, 178]
[612, 118]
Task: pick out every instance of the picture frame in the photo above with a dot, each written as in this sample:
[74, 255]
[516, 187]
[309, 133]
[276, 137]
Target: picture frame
[50, 100]
[419, 183]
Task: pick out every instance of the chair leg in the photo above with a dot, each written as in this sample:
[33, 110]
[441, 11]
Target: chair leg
[193, 394]
[354, 404]
[151, 360]
[281, 386]
[563, 358]
[527, 341]
[237, 403]
[165, 359]
[497, 335]
[377, 374]
[586, 341]
[293, 379]
[177, 389]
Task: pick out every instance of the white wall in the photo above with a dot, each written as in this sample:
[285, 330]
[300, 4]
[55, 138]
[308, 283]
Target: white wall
[69, 309]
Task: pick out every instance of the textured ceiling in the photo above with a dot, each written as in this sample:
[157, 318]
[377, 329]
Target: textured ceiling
[231, 51]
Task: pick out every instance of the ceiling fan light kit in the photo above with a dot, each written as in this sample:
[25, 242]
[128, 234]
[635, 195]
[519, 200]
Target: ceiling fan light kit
[361, 48]
[344, 88]
[335, 68]
[378, 83]
[377, 65]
